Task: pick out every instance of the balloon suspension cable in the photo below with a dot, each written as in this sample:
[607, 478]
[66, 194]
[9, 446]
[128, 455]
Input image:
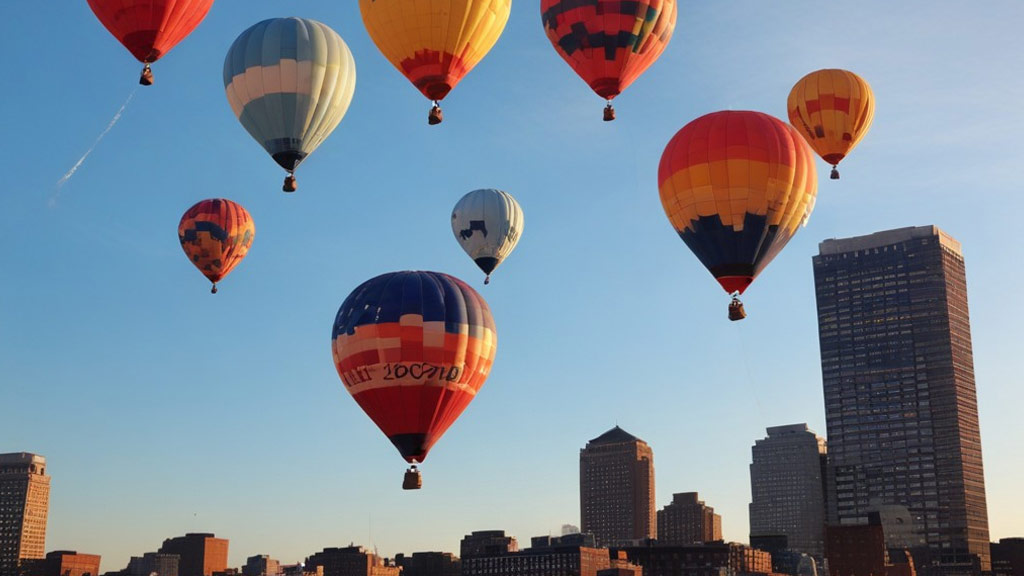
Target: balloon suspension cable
[213, 290]
[412, 480]
[147, 76]
[835, 173]
[487, 280]
[436, 114]
[736, 311]
[609, 112]
[290, 184]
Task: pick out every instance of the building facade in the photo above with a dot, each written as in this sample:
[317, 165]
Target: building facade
[199, 554]
[900, 400]
[350, 561]
[70, 563]
[787, 489]
[717, 559]
[153, 563]
[617, 489]
[429, 564]
[554, 561]
[487, 543]
[1008, 557]
[687, 520]
[24, 505]
[261, 565]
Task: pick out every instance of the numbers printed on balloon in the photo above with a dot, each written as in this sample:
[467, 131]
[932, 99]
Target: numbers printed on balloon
[422, 371]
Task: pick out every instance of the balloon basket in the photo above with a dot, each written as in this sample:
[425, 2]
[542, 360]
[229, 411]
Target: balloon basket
[609, 113]
[436, 115]
[213, 289]
[835, 174]
[147, 76]
[290, 184]
[413, 480]
[736, 311]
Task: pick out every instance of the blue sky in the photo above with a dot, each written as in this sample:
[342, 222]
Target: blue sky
[162, 409]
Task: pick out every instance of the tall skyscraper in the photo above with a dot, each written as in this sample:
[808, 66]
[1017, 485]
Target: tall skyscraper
[24, 504]
[617, 489]
[787, 488]
[687, 520]
[900, 401]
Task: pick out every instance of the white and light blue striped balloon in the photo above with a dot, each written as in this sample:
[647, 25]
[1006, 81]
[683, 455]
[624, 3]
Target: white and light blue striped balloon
[289, 82]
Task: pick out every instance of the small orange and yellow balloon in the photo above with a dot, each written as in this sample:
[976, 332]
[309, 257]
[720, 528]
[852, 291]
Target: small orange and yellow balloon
[216, 234]
[832, 109]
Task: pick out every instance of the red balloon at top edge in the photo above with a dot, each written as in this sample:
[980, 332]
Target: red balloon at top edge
[150, 28]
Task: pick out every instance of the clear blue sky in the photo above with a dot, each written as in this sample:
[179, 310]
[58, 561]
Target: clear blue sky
[162, 409]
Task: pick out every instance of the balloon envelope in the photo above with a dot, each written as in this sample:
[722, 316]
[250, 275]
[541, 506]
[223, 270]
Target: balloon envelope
[487, 224]
[736, 186]
[289, 82]
[413, 349]
[436, 42]
[609, 43]
[216, 234]
[832, 110]
[150, 28]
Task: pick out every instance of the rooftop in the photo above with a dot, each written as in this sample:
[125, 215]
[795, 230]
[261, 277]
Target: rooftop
[887, 238]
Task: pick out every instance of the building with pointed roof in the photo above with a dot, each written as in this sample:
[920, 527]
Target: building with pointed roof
[617, 489]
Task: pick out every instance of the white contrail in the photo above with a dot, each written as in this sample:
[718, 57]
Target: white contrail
[63, 180]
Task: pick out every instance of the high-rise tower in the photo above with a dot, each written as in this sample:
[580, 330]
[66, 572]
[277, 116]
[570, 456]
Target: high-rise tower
[787, 488]
[900, 400]
[24, 504]
[617, 489]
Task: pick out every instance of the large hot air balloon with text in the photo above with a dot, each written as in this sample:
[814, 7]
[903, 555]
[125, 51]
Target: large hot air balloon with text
[289, 82]
[736, 186]
[487, 224]
[216, 234]
[435, 43]
[413, 349]
[150, 28]
[609, 43]
[832, 110]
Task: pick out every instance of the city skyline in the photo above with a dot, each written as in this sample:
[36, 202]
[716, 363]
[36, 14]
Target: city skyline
[163, 410]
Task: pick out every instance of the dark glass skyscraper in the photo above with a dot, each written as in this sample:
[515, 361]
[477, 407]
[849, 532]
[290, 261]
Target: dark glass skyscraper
[900, 401]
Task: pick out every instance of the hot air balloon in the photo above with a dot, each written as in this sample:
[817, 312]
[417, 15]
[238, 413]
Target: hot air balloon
[487, 223]
[435, 43]
[832, 110]
[736, 186]
[609, 43]
[413, 349]
[289, 82]
[150, 28]
[216, 235]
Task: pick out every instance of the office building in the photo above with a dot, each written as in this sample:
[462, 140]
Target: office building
[687, 520]
[716, 559]
[70, 563]
[787, 488]
[24, 505]
[153, 563]
[199, 554]
[617, 489]
[429, 564]
[900, 401]
[262, 565]
[1008, 557]
[540, 561]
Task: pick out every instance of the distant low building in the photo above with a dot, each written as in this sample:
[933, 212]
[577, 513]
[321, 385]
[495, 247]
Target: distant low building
[487, 543]
[542, 560]
[262, 565]
[69, 563]
[200, 554]
[859, 550]
[1008, 557]
[351, 561]
[429, 564]
[687, 520]
[715, 559]
[154, 563]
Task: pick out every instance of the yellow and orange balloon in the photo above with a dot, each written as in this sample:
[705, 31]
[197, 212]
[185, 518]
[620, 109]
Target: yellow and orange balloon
[216, 234]
[832, 109]
[435, 43]
[736, 186]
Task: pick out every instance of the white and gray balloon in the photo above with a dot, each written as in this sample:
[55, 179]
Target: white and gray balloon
[487, 223]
